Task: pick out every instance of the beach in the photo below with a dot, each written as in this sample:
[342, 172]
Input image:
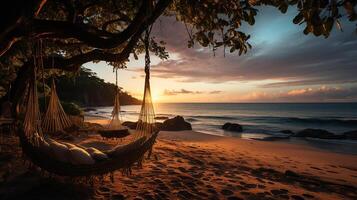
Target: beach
[194, 165]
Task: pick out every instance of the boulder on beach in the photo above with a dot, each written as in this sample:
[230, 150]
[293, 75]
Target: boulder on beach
[161, 118]
[158, 125]
[89, 109]
[350, 135]
[288, 132]
[177, 123]
[131, 125]
[318, 133]
[232, 127]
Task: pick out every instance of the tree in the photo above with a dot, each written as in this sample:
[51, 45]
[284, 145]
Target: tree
[73, 32]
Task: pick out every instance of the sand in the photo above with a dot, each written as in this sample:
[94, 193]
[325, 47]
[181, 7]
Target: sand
[193, 165]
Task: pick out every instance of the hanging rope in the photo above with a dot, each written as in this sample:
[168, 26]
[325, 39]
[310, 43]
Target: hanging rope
[55, 118]
[115, 121]
[43, 73]
[146, 122]
[32, 120]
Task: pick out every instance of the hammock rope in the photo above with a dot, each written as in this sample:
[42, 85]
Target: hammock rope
[146, 122]
[55, 118]
[32, 120]
[115, 120]
[128, 155]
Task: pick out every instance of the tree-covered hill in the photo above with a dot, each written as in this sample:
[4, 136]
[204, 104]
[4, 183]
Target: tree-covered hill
[87, 89]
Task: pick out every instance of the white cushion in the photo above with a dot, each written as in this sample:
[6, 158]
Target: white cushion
[60, 151]
[97, 154]
[69, 145]
[42, 144]
[79, 156]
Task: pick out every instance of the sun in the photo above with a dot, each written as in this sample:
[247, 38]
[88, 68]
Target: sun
[155, 96]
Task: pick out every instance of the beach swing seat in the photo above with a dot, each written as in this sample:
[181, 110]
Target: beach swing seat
[45, 154]
[55, 119]
[115, 129]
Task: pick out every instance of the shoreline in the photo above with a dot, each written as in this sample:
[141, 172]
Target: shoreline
[261, 149]
[245, 169]
[327, 145]
[194, 165]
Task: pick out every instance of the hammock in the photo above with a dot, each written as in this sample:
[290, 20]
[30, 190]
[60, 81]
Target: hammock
[115, 129]
[146, 122]
[55, 118]
[128, 155]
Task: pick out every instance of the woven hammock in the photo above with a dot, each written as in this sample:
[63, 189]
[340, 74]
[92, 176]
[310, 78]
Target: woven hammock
[132, 153]
[32, 120]
[55, 118]
[115, 121]
[146, 122]
[115, 129]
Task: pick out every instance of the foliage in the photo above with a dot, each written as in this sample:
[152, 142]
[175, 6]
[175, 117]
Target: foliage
[86, 89]
[72, 108]
[70, 33]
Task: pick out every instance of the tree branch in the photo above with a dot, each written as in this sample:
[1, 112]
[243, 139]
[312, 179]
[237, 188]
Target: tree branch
[73, 63]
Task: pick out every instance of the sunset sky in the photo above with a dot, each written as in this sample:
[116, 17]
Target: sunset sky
[284, 65]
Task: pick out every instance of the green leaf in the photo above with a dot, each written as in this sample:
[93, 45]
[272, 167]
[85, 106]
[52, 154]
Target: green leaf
[298, 18]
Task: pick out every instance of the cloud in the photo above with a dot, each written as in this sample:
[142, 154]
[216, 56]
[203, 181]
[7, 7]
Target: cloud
[182, 91]
[292, 59]
[168, 92]
[215, 92]
[309, 94]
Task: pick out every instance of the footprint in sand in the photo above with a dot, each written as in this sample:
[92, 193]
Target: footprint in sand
[234, 198]
[185, 194]
[296, 197]
[309, 196]
[212, 191]
[226, 192]
[118, 197]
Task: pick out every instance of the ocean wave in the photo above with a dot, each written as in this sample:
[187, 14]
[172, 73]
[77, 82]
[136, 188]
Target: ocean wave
[213, 117]
[339, 122]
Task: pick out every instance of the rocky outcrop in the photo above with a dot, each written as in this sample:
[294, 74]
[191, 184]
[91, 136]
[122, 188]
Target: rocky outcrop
[318, 133]
[350, 135]
[177, 123]
[232, 127]
[161, 118]
[131, 125]
[287, 132]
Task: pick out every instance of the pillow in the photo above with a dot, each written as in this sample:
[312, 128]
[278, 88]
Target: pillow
[123, 149]
[60, 151]
[69, 145]
[42, 144]
[79, 156]
[97, 154]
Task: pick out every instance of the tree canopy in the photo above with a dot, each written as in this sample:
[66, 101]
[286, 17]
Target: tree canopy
[87, 89]
[69, 33]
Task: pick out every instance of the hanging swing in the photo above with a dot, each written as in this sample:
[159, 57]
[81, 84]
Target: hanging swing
[55, 119]
[115, 129]
[42, 152]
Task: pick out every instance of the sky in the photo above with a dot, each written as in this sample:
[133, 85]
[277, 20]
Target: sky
[284, 65]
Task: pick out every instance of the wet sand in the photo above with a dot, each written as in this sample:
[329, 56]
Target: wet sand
[192, 165]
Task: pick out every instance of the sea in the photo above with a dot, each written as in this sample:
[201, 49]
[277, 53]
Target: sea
[260, 121]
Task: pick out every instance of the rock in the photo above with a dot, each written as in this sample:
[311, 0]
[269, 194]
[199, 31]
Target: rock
[158, 125]
[289, 132]
[161, 118]
[318, 133]
[131, 125]
[89, 109]
[350, 135]
[177, 123]
[232, 127]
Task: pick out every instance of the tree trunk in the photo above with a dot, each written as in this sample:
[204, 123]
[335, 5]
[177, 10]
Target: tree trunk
[18, 86]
